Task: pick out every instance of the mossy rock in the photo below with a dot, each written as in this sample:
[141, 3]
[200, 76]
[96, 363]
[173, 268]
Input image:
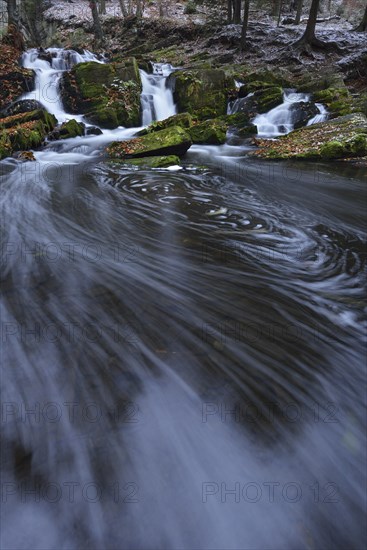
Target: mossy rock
[107, 94]
[49, 121]
[252, 87]
[202, 93]
[241, 123]
[184, 120]
[268, 98]
[69, 129]
[25, 131]
[5, 145]
[340, 102]
[277, 77]
[209, 132]
[311, 83]
[171, 141]
[154, 162]
[342, 137]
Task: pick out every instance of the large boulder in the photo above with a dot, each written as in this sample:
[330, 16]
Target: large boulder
[342, 137]
[302, 112]
[24, 131]
[171, 141]
[202, 93]
[209, 132]
[107, 94]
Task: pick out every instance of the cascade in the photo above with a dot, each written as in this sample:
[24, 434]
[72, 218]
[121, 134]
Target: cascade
[280, 120]
[156, 99]
[48, 74]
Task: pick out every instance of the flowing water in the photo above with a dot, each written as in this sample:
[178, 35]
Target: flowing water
[280, 120]
[183, 352]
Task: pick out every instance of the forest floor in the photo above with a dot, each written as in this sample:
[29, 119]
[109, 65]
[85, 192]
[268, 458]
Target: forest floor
[184, 40]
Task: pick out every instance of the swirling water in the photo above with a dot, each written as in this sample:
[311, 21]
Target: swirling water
[191, 345]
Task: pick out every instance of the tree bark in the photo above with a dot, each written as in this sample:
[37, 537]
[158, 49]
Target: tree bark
[229, 11]
[298, 12]
[309, 38]
[245, 25]
[102, 7]
[123, 8]
[362, 27]
[96, 22]
[12, 12]
[237, 12]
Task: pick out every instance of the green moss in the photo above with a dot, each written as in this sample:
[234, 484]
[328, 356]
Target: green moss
[171, 141]
[210, 132]
[155, 162]
[254, 86]
[332, 150]
[202, 93]
[108, 94]
[268, 98]
[49, 121]
[184, 120]
[5, 145]
[358, 145]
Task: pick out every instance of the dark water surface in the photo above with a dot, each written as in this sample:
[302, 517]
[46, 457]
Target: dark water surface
[192, 344]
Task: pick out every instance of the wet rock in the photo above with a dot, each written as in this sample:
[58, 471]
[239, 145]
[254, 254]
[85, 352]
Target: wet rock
[302, 112]
[108, 94]
[25, 156]
[171, 141]
[93, 131]
[154, 162]
[202, 93]
[184, 120]
[209, 132]
[69, 129]
[24, 131]
[268, 98]
[342, 137]
[21, 106]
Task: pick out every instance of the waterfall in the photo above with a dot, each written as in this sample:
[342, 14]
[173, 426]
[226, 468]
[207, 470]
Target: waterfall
[321, 116]
[48, 72]
[156, 98]
[280, 120]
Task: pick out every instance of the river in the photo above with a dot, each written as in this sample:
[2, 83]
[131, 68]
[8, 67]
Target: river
[183, 351]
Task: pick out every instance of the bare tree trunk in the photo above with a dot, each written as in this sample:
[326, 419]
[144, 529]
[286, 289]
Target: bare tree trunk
[275, 8]
[138, 8]
[12, 12]
[362, 27]
[102, 7]
[237, 12]
[123, 8]
[229, 11]
[161, 9]
[96, 22]
[245, 25]
[309, 38]
[299, 12]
